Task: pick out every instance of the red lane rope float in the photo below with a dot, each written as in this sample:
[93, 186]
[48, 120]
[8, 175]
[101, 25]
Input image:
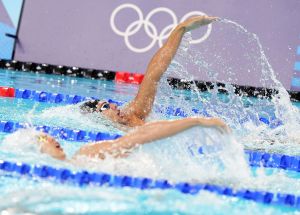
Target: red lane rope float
[130, 78]
[7, 91]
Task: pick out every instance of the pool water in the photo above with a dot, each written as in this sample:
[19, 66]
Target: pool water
[22, 194]
[49, 198]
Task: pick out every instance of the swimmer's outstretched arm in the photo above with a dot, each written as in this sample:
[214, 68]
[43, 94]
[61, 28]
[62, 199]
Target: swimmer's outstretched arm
[145, 134]
[143, 102]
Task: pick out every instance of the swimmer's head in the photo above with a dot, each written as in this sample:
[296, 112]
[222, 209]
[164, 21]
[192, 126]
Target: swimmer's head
[50, 146]
[89, 106]
[29, 140]
[107, 109]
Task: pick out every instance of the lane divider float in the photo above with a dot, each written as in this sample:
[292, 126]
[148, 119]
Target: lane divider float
[272, 160]
[42, 96]
[85, 178]
[64, 70]
[7, 92]
[255, 158]
[131, 78]
[59, 132]
[58, 98]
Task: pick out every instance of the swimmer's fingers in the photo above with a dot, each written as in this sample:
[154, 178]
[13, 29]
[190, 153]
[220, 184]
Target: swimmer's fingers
[203, 20]
[196, 21]
[222, 127]
[226, 129]
[211, 19]
[222, 130]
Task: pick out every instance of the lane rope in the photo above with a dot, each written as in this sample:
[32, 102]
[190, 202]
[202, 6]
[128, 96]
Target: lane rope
[58, 98]
[90, 73]
[85, 178]
[255, 158]
[59, 132]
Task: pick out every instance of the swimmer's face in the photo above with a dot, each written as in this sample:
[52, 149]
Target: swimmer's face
[51, 147]
[111, 111]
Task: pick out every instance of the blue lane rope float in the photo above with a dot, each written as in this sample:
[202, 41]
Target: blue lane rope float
[60, 132]
[255, 158]
[270, 160]
[42, 96]
[85, 178]
[58, 98]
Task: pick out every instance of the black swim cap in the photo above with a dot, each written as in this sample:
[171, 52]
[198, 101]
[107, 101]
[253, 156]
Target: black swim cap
[89, 106]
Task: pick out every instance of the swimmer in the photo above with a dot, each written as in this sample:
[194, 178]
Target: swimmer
[122, 146]
[135, 113]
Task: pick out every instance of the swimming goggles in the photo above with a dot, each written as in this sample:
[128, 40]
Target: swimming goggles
[104, 106]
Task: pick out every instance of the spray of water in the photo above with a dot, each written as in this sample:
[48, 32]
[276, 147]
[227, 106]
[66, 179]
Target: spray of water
[283, 108]
[71, 116]
[180, 160]
[214, 61]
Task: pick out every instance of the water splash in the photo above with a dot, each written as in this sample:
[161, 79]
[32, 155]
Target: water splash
[222, 161]
[164, 159]
[180, 160]
[283, 108]
[213, 62]
[71, 116]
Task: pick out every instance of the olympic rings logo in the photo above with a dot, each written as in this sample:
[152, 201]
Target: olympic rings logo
[150, 28]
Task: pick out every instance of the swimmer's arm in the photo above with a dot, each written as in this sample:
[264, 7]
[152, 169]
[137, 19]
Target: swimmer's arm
[142, 104]
[145, 134]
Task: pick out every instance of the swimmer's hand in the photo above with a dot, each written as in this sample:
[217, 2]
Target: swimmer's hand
[217, 123]
[221, 126]
[197, 21]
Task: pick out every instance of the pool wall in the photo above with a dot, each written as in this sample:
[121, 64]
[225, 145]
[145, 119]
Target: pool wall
[127, 77]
